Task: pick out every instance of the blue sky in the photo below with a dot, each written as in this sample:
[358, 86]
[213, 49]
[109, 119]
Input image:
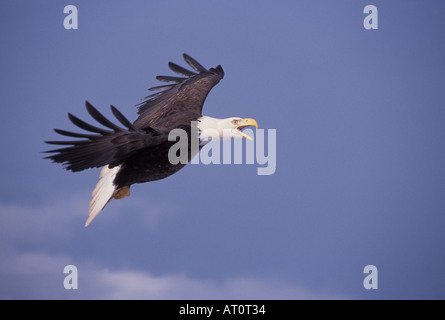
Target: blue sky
[360, 176]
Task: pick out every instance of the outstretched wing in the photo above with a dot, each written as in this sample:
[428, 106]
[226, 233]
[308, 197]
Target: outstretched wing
[104, 147]
[184, 94]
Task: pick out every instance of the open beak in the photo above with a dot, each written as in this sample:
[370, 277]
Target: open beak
[244, 123]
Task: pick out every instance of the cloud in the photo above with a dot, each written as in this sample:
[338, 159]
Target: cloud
[24, 224]
[32, 269]
[37, 275]
[139, 285]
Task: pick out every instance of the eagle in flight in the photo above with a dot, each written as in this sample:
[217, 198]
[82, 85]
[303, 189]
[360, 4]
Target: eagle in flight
[139, 152]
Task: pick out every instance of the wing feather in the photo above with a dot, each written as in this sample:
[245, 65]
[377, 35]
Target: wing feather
[124, 121]
[83, 125]
[104, 148]
[193, 63]
[180, 70]
[100, 118]
[170, 79]
[73, 134]
[184, 95]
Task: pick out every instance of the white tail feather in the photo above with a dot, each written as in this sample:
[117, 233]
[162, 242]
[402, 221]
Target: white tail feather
[103, 192]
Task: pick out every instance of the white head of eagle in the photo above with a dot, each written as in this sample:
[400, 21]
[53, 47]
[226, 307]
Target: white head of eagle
[138, 151]
[223, 128]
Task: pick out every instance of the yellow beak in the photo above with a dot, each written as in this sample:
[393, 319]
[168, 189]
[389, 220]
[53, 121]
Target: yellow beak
[246, 123]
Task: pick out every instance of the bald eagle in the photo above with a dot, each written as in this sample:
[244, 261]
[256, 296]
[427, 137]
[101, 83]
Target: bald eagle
[138, 151]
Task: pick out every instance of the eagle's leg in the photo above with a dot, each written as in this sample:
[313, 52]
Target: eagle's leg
[122, 192]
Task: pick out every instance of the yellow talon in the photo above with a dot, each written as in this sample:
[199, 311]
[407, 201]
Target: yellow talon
[122, 192]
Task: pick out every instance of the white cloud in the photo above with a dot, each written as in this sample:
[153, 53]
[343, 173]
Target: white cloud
[25, 223]
[36, 275]
[32, 224]
[139, 285]
[146, 212]
[29, 271]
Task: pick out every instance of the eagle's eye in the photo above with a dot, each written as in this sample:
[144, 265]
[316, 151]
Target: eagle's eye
[235, 121]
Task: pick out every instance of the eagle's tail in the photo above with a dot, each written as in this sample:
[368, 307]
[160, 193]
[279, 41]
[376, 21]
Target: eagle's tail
[104, 191]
